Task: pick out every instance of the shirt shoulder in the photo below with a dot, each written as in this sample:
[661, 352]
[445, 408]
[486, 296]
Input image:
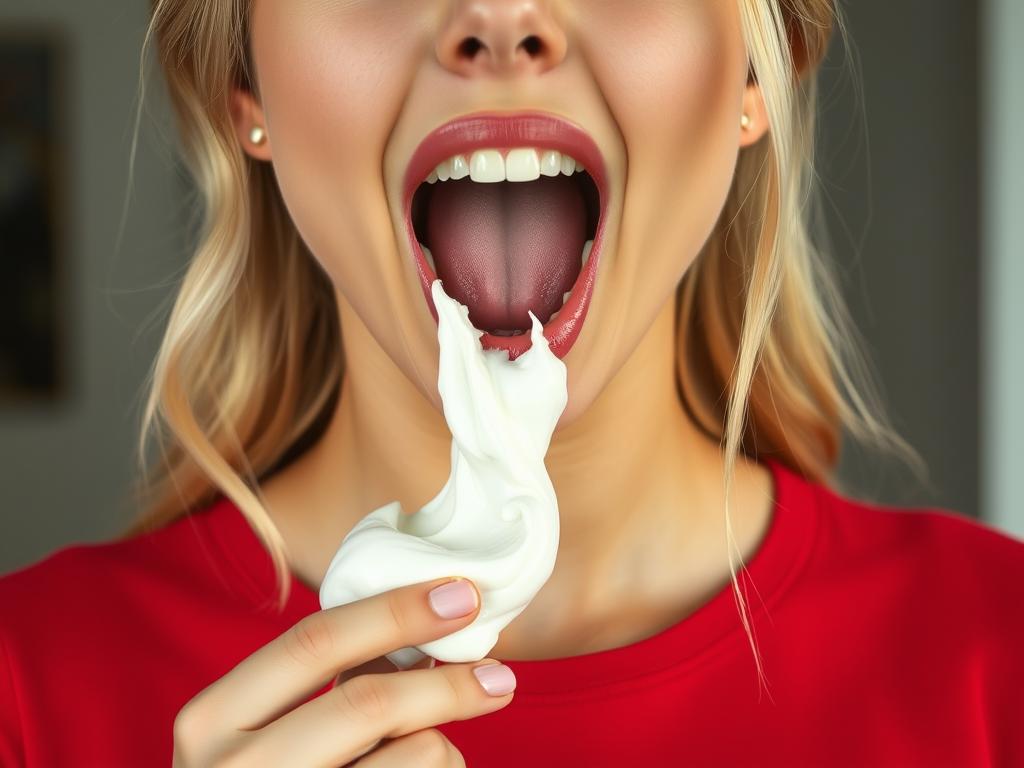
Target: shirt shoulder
[961, 571]
[94, 584]
[135, 627]
[67, 619]
[967, 549]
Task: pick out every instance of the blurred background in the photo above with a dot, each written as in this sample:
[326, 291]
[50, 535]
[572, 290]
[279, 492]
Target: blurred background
[924, 185]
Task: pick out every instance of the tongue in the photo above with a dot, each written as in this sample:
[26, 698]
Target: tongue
[507, 247]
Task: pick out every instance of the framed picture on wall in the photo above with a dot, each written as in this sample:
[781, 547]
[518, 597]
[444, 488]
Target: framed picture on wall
[33, 191]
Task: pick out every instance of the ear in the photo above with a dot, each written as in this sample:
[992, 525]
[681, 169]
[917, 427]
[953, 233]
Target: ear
[756, 115]
[246, 113]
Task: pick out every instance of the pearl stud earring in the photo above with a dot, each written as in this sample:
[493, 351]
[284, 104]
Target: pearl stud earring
[257, 135]
[745, 122]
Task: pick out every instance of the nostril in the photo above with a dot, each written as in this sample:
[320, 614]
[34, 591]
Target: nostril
[469, 47]
[532, 44]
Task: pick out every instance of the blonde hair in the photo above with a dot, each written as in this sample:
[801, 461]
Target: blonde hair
[251, 362]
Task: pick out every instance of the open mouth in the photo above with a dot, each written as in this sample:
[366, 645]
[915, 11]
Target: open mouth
[509, 228]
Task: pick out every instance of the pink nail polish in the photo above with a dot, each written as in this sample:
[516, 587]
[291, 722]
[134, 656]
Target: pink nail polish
[452, 600]
[496, 679]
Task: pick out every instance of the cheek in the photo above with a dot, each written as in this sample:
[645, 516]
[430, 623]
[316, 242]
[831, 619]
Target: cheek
[332, 83]
[674, 78]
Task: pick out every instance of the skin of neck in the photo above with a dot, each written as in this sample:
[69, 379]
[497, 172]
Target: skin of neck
[639, 486]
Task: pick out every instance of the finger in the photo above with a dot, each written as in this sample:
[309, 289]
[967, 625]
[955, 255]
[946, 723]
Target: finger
[425, 749]
[295, 665]
[350, 720]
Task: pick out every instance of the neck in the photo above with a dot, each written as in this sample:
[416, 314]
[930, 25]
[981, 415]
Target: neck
[637, 482]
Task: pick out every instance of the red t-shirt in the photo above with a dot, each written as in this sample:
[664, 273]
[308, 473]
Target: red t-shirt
[888, 637]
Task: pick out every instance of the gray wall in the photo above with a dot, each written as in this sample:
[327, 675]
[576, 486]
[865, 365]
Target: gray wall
[1003, 275]
[907, 239]
[66, 465]
[904, 224]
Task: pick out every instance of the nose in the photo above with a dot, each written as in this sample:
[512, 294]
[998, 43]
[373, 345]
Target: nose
[501, 38]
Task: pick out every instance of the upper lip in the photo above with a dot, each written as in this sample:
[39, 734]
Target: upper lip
[503, 130]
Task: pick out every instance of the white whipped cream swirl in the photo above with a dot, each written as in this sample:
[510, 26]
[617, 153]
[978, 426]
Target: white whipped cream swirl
[495, 521]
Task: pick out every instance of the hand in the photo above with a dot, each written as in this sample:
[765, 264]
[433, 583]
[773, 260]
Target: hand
[249, 717]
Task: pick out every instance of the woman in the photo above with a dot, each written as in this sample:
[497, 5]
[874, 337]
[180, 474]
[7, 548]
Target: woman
[709, 384]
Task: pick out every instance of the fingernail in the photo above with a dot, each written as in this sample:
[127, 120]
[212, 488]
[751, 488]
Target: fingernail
[496, 679]
[454, 599]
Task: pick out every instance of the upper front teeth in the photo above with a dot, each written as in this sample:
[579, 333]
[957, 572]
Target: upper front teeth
[521, 164]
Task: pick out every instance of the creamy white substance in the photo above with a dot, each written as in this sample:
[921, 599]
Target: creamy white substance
[495, 521]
